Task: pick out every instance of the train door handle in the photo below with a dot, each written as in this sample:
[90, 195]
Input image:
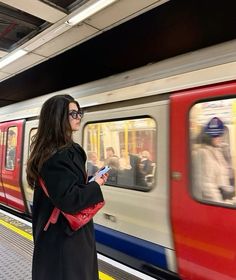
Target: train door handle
[176, 175]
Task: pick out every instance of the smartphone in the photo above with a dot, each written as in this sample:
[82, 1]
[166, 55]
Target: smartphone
[101, 171]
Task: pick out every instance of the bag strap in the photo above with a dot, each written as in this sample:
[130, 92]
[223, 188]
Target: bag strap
[42, 185]
[55, 212]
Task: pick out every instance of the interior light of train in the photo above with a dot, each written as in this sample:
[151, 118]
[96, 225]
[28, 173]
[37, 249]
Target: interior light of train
[88, 10]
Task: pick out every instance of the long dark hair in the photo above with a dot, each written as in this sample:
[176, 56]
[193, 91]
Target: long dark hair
[54, 132]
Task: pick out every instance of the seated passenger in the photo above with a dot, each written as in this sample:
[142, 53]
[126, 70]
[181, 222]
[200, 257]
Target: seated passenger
[146, 163]
[124, 160]
[135, 162]
[113, 161]
[93, 164]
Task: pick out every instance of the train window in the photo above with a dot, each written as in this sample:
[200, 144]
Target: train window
[128, 147]
[11, 148]
[213, 151]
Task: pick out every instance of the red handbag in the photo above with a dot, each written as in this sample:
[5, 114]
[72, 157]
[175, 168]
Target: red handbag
[76, 221]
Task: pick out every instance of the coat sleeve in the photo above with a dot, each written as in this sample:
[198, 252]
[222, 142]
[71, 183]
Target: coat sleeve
[66, 184]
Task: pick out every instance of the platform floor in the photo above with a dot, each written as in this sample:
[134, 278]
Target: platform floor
[16, 247]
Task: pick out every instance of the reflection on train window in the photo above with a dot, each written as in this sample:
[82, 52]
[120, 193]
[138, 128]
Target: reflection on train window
[31, 135]
[128, 147]
[213, 151]
[11, 148]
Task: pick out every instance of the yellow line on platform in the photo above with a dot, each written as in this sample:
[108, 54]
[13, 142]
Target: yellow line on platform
[103, 276]
[17, 230]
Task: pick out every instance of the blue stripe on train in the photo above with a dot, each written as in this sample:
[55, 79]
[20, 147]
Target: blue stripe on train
[138, 248]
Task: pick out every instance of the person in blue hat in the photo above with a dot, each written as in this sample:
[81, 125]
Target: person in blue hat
[215, 129]
[211, 171]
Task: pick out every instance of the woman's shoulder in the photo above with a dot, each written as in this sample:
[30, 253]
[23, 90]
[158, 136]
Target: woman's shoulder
[76, 146]
[72, 151]
[66, 153]
[68, 150]
[61, 152]
[59, 155]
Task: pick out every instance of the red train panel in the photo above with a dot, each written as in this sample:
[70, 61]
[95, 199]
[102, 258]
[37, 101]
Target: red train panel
[11, 151]
[204, 234]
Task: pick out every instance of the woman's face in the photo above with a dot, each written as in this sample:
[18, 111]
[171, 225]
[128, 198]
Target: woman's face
[217, 141]
[74, 117]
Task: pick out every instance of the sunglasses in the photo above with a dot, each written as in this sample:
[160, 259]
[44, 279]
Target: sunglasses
[75, 114]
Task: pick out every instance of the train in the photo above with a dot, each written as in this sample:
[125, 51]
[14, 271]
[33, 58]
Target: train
[154, 221]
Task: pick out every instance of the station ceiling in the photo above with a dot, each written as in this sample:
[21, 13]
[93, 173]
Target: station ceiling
[122, 36]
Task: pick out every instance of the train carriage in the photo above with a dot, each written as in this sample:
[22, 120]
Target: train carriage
[155, 219]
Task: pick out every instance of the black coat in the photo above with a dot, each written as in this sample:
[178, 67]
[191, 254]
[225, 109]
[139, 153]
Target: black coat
[59, 252]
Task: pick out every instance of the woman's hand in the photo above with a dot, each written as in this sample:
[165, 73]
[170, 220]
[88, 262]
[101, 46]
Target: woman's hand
[102, 180]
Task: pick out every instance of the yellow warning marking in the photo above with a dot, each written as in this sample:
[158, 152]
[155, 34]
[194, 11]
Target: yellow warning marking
[17, 230]
[103, 276]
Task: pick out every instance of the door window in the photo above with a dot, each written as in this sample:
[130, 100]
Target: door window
[10, 160]
[213, 150]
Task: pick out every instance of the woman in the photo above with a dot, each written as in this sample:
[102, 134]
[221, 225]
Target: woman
[61, 253]
[211, 171]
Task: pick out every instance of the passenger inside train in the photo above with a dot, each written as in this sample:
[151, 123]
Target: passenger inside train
[212, 171]
[124, 160]
[146, 163]
[93, 164]
[111, 158]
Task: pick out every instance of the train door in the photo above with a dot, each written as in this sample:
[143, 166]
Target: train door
[29, 132]
[2, 192]
[203, 135]
[11, 164]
